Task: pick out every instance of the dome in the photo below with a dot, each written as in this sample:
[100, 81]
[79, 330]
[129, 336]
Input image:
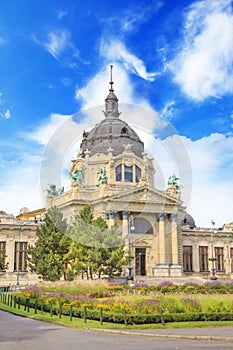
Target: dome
[112, 132]
[24, 210]
[188, 220]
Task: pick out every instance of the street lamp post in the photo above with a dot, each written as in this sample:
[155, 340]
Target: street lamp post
[18, 257]
[212, 259]
[131, 227]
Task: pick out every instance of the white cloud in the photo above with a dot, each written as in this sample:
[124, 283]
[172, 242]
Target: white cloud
[19, 185]
[62, 14]
[168, 110]
[6, 114]
[60, 45]
[44, 132]
[207, 190]
[57, 42]
[96, 90]
[212, 164]
[115, 50]
[204, 65]
[131, 18]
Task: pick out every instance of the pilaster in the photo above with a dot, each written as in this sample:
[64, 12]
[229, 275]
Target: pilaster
[125, 218]
[162, 268]
[175, 268]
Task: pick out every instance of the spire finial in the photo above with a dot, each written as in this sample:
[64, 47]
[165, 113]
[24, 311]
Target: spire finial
[111, 82]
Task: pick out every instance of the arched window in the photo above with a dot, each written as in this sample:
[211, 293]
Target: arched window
[142, 226]
[124, 130]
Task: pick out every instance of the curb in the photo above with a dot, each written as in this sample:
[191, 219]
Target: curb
[172, 336]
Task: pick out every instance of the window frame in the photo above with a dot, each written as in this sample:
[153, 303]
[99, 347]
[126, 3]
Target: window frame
[219, 256]
[22, 256]
[203, 258]
[3, 252]
[187, 258]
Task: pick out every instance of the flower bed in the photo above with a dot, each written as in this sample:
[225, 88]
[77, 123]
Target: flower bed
[140, 303]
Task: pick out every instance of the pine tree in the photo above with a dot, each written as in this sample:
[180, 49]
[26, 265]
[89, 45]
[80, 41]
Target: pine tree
[47, 257]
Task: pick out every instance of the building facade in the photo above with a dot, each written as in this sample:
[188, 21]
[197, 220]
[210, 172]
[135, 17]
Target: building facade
[115, 176]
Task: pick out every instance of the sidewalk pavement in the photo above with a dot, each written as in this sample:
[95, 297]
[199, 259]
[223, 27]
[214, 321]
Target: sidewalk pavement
[224, 333]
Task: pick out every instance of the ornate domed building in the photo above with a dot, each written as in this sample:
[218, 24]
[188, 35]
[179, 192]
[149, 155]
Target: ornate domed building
[115, 176]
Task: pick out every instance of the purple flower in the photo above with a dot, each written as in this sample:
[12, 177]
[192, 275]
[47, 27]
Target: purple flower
[165, 283]
[140, 284]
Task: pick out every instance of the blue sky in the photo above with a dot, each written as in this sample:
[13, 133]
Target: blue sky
[174, 57]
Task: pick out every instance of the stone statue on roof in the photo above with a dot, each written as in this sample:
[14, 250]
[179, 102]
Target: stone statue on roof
[103, 178]
[52, 190]
[78, 177]
[173, 180]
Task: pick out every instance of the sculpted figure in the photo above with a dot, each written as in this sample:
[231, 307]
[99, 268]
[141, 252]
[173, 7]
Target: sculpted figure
[173, 181]
[52, 190]
[78, 176]
[103, 178]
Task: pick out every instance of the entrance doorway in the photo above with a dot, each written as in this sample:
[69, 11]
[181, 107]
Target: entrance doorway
[140, 261]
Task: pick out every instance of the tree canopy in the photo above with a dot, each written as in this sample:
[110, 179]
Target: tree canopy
[87, 247]
[96, 250]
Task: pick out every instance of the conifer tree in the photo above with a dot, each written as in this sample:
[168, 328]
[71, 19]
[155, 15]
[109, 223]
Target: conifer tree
[47, 257]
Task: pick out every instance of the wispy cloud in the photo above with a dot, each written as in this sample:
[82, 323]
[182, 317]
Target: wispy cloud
[115, 50]
[60, 45]
[203, 67]
[6, 114]
[133, 16]
[45, 130]
[57, 42]
[168, 110]
[62, 14]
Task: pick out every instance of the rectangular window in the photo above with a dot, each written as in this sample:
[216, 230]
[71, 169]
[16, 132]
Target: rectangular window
[188, 258]
[231, 252]
[128, 173]
[137, 174]
[219, 259]
[203, 258]
[2, 255]
[20, 263]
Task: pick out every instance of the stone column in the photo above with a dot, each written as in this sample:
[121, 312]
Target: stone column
[161, 239]
[175, 268]
[162, 268]
[196, 260]
[111, 217]
[10, 254]
[125, 217]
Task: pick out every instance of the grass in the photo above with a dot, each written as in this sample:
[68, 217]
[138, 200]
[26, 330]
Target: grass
[76, 288]
[90, 324]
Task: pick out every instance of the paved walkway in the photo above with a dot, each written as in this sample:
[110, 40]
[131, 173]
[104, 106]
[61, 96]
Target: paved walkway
[224, 333]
